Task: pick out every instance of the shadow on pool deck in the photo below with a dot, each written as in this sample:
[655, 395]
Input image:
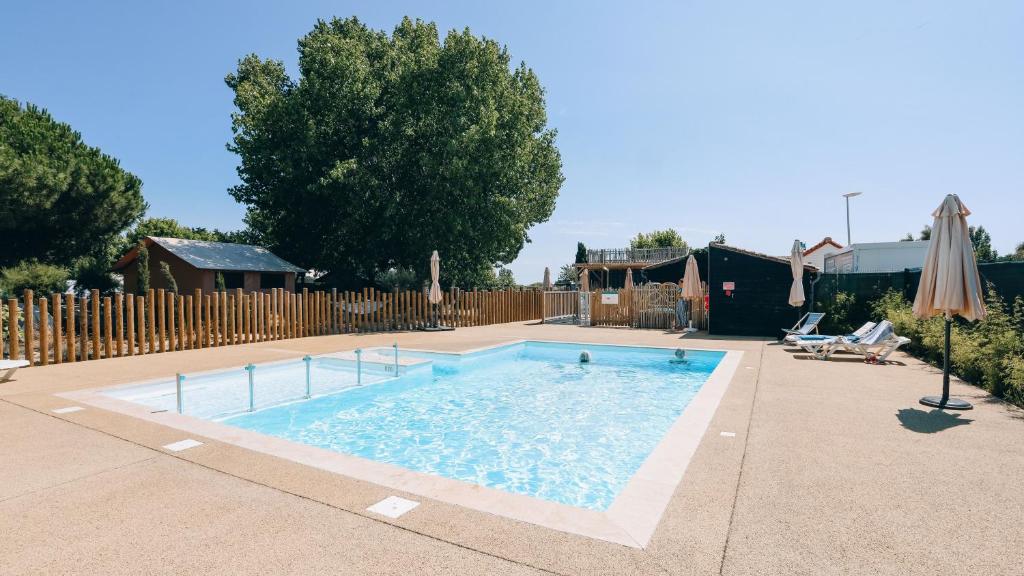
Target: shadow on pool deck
[930, 422]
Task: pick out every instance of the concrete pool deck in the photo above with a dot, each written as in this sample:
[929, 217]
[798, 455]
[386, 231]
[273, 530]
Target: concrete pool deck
[833, 468]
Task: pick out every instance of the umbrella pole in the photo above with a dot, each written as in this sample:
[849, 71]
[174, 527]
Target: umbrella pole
[945, 363]
[945, 402]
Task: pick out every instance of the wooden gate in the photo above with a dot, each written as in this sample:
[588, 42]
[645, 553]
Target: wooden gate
[654, 305]
[584, 309]
[611, 308]
[560, 306]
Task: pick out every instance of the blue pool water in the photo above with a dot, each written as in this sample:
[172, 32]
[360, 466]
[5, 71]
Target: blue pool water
[526, 418]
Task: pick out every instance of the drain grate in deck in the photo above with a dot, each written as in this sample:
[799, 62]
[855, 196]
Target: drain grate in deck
[393, 506]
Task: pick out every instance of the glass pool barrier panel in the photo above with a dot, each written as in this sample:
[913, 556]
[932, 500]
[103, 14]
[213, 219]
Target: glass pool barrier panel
[254, 387]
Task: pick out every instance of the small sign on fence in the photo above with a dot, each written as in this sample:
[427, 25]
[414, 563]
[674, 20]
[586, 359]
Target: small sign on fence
[609, 298]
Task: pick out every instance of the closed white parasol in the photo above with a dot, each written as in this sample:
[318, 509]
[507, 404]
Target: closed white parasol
[796, 263]
[435, 274]
[950, 284]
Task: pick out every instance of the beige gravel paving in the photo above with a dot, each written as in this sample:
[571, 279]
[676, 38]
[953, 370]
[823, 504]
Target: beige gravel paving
[834, 469]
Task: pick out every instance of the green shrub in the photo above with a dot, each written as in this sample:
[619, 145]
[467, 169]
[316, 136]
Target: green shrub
[989, 353]
[839, 314]
[400, 279]
[43, 279]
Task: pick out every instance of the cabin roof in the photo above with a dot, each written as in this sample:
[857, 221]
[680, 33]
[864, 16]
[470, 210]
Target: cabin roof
[206, 255]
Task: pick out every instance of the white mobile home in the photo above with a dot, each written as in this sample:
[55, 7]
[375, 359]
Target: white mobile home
[877, 257]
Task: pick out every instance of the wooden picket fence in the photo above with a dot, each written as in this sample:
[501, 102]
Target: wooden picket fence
[62, 328]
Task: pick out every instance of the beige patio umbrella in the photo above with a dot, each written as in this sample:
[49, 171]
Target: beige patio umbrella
[435, 272]
[691, 285]
[547, 278]
[950, 284]
[584, 280]
[629, 278]
[434, 296]
[691, 280]
[796, 263]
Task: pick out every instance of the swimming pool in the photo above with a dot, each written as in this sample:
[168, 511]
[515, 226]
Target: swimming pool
[527, 418]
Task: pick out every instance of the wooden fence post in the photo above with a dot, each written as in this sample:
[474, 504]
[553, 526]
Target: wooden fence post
[129, 323]
[223, 295]
[140, 323]
[182, 334]
[282, 314]
[278, 314]
[231, 318]
[44, 332]
[207, 322]
[239, 315]
[189, 323]
[151, 319]
[257, 316]
[12, 328]
[246, 320]
[286, 315]
[256, 321]
[161, 319]
[267, 327]
[197, 319]
[30, 320]
[70, 328]
[172, 333]
[108, 333]
[83, 329]
[214, 319]
[119, 324]
[58, 337]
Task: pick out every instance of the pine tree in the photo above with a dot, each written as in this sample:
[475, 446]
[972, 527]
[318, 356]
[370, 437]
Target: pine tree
[581, 253]
[142, 267]
[172, 284]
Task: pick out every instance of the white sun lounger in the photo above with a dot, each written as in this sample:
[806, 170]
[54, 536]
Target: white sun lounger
[876, 346]
[9, 367]
[818, 345]
[807, 324]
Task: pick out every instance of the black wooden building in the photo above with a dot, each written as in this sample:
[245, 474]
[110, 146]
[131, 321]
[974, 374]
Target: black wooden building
[748, 292]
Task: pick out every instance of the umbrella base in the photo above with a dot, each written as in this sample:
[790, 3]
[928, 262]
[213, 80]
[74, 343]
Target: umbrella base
[949, 404]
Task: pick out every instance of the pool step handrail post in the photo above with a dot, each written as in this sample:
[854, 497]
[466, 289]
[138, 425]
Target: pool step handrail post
[396, 358]
[359, 366]
[178, 379]
[307, 359]
[250, 368]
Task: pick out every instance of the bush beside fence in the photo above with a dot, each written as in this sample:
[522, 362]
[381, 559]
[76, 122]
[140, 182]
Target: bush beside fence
[989, 353]
[63, 328]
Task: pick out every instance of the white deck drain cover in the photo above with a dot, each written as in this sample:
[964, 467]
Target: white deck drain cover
[68, 410]
[183, 445]
[729, 434]
[393, 506]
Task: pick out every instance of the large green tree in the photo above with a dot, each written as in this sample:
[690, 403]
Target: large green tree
[171, 228]
[389, 146]
[61, 201]
[667, 238]
[982, 242]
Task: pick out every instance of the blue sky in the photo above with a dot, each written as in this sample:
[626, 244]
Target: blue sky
[746, 118]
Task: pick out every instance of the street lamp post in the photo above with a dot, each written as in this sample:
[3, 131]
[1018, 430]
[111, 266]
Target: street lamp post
[848, 196]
